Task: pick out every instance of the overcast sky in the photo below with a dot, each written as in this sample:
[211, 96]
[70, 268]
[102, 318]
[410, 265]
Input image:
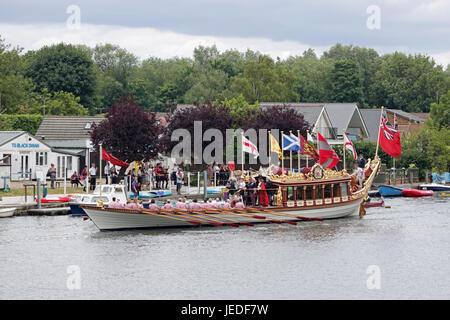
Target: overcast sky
[279, 28]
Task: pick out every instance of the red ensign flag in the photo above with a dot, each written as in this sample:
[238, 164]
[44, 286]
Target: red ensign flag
[389, 138]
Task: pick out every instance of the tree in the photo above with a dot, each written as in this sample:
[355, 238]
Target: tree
[15, 89]
[64, 67]
[410, 83]
[440, 113]
[280, 117]
[60, 104]
[211, 117]
[116, 66]
[346, 82]
[128, 132]
[263, 80]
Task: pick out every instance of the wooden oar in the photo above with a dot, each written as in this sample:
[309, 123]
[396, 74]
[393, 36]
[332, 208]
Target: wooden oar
[231, 221]
[179, 214]
[285, 214]
[185, 213]
[243, 212]
[147, 211]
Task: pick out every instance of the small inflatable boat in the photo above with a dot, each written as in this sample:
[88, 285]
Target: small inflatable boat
[416, 193]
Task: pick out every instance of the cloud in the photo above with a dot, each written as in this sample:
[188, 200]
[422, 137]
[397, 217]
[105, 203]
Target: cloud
[146, 42]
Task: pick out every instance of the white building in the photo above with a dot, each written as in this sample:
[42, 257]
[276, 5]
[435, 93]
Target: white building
[23, 154]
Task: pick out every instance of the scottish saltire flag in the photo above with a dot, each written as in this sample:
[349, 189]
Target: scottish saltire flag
[291, 143]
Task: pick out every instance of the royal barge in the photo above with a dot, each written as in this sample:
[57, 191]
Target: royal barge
[317, 195]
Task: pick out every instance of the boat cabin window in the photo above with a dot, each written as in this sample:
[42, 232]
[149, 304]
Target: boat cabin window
[318, 191]
[96, 199]
[290, 193]
[344, 189]
[336, 191]
[327, 191]
[118, 190]
[309, 192]
[106, 189]
[299, 193]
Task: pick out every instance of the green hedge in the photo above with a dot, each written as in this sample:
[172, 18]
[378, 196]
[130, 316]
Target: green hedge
[20, 122]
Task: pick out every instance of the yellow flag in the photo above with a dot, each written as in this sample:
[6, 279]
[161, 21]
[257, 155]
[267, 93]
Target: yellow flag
[274, 146]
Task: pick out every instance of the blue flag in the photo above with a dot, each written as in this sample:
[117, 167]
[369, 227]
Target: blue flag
[291, 143]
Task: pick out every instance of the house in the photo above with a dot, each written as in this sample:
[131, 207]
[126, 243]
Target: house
[339, 117]
[69, 134]
[316, 115]
[407, 122]
[23, 155]
[73, 134]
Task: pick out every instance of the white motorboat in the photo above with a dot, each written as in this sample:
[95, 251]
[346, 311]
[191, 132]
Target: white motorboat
[7, 212]
[108, 191]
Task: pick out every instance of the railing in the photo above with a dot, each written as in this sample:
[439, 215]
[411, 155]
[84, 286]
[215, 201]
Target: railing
[402, 175]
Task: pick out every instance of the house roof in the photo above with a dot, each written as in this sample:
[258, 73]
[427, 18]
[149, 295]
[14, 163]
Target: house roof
[6, 136]
[407, 115]
[372, 120]
[66, 128]
[311, 113]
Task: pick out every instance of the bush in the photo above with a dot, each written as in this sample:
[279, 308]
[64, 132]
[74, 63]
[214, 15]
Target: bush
[20, 122]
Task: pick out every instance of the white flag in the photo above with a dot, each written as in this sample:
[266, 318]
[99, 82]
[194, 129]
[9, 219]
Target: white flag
[248, 146]
[349, 145]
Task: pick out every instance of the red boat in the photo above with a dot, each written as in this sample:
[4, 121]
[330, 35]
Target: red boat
[373, 204]
[416, 193]
[56, 199]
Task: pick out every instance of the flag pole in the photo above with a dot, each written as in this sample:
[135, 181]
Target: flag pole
[290, 152]
[270, 149]
[242, 153]
[379, 127]
[282, 153]
[343, 145]
[100, 201]
[307, 156]
[298, 154]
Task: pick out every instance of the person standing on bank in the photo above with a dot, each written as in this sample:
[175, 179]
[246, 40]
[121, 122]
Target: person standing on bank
[52, 174]
[92, 176]
[107, 171]
[180, 180]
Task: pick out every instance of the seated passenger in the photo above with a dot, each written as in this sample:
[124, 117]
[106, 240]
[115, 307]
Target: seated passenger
[167, 206]
[112, 203]
[227, 205]
[153, 205]
[239, 205]
[217, 204]
[195, 205]
[181, 204]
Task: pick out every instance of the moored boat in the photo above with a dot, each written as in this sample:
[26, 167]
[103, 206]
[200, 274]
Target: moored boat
[416, 193]
[319, 194]
[434, 187]
[7, 212]
[388, 191]
[108, 192]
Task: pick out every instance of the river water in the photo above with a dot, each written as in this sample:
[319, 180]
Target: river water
[397, 253]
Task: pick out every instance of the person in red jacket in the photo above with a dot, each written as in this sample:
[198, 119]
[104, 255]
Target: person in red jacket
[262, 193]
